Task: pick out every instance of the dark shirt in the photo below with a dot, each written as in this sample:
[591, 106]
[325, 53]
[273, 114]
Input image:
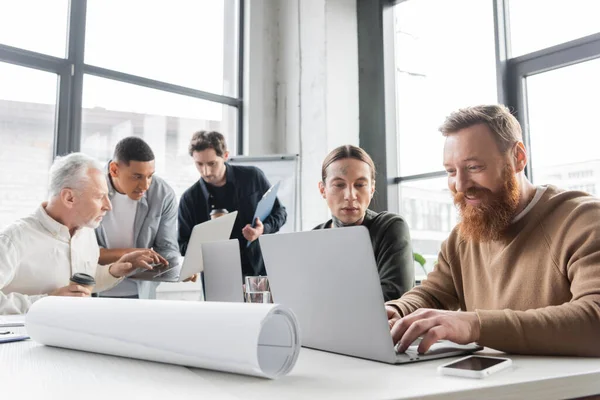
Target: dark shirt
[221, 197]
[390, 238]
[248, 185]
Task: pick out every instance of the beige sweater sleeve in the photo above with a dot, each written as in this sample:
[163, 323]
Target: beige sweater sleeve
[572, 328]
[437, 291]
[104, 280]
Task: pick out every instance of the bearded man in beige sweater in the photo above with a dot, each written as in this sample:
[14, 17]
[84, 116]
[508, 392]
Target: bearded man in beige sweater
[523, 264]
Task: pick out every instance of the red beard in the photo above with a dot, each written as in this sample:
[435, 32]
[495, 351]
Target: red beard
[489, 219]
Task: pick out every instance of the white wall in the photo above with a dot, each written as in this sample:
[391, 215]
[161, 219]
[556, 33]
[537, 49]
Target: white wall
[302, 98]
[260, 65]
[342, 73]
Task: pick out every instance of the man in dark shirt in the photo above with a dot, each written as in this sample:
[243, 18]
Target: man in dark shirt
[231, 187]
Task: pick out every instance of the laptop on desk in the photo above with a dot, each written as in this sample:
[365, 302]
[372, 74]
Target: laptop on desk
[223, 271]
[330, 281]
[210, 231]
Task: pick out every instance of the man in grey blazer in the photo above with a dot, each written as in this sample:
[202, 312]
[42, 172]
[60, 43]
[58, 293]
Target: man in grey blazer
[143, 216]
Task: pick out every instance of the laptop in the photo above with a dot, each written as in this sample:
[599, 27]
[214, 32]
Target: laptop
[210, 231]
[330, 281]
[223, 271]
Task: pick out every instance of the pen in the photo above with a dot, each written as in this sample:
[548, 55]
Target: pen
[15, 338]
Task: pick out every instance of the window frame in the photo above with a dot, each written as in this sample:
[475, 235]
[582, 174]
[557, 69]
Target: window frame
[511, 74]
[520, 68]
[70, 71]
[502, 48]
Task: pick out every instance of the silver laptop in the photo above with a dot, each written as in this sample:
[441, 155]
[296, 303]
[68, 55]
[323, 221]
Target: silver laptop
[210, 231]
[223, 271]
[329, 279]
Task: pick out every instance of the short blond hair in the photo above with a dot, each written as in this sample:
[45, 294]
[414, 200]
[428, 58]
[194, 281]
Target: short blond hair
[497, 117]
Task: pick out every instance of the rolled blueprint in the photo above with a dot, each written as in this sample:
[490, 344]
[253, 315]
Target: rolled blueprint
[252, 339]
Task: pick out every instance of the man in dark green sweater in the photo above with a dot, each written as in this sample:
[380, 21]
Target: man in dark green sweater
[348, 184]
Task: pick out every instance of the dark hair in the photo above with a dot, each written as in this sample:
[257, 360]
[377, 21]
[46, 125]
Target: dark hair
[497, 117]
[203, 140]
[347, 151]
[132, 148]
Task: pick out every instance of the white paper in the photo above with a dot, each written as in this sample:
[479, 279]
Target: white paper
[253, 339]
[12, 320]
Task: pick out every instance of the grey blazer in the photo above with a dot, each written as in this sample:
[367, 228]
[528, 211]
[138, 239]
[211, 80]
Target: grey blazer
[155, 223]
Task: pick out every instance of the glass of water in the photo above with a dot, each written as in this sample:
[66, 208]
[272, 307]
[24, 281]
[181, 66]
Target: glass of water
[258, 297]
[257, 290]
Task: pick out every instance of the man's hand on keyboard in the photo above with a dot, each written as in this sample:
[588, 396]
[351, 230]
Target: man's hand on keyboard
[433, 325]
[392, 315]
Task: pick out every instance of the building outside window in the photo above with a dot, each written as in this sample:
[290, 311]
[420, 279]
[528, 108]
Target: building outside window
[161, 77]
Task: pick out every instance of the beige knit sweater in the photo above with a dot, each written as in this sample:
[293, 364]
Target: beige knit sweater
[536, 291]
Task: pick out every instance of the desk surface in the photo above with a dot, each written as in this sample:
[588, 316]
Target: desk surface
[29, 369]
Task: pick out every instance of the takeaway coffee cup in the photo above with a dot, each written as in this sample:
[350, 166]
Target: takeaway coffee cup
[218, 212]
[84, 280]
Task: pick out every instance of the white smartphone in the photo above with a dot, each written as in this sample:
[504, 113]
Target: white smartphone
[475, 366]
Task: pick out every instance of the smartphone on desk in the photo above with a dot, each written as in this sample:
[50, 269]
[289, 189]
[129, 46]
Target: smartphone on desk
[475, 366]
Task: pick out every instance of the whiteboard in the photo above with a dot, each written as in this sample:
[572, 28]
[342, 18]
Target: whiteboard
[284, 168]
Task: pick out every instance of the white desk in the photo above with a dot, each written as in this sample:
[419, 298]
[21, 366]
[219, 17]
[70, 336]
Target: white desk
[28, 370]
[190, 291]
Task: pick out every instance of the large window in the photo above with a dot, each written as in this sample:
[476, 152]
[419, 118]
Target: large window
[557, 90]
[537, 24]
[27, 119]
[182, 42]
[445, 60]
[80, 75]
[36, 25]
[562, 108]
[166, 121]
[446, 57]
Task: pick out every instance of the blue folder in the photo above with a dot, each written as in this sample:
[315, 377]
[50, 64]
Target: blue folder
[265, 205]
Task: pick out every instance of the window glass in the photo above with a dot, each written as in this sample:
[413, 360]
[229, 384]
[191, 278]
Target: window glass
[445, 60]
[538, 24]
[27, 125]
[562, 107]
[36, 25]
[113, 110]
[191, 43]
[427, 207]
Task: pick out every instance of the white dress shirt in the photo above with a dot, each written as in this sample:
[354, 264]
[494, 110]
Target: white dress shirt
[38, 256]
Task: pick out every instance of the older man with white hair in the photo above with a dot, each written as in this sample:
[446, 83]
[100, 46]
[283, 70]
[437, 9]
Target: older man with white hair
[40, 253]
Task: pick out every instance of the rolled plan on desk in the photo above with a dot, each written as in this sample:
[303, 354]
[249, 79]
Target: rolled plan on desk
[252, 339]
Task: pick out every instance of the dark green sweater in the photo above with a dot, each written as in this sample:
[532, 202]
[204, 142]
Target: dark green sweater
[393, 252]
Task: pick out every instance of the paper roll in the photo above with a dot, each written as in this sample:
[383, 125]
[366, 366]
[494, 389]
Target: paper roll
[252, 339]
